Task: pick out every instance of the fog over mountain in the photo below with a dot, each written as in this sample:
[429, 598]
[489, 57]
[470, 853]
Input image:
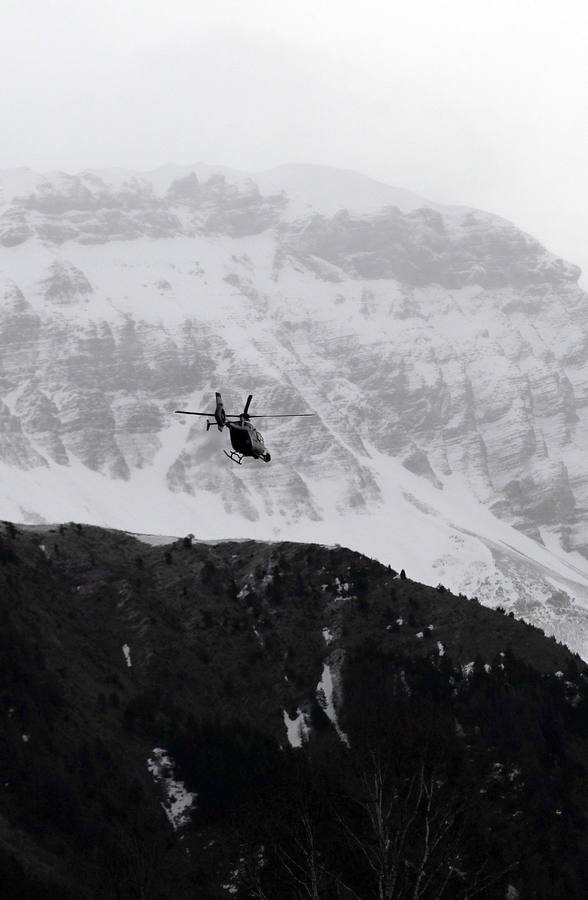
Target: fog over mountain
[443, 351]
[463, 102]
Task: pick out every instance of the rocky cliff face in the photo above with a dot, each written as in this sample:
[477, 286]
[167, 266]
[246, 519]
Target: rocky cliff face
[444, 352]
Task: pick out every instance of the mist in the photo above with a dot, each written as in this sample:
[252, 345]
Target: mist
[461, 103]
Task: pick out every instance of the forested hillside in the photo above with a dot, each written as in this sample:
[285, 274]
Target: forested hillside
[276, 721]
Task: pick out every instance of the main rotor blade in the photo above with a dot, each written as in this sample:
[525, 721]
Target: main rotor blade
[281, 415]
[188, 412]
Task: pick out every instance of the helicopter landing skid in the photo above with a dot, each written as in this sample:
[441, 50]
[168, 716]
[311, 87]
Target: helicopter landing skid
[234, 456]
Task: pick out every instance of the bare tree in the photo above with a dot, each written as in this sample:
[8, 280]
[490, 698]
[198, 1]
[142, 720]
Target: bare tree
[411, 832]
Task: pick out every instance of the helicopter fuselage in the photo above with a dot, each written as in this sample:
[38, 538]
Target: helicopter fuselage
[246, 440]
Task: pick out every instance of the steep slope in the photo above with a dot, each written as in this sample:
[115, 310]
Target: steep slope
[170, 712]
[443, 351]
[324, 190]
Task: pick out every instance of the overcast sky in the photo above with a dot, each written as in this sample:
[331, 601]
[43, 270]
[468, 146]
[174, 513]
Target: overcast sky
[481, 103]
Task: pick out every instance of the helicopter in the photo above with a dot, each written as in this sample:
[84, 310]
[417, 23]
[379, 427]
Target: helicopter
[246, 440]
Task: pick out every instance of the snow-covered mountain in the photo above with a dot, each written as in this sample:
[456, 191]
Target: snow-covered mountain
[444, 352]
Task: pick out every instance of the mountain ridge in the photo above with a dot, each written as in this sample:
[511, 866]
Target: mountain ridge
[343, 187]
[440, 348]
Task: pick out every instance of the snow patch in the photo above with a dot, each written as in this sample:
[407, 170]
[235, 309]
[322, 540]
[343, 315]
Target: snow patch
[326, 692]
[441, 648]
[127, 655]
[327, 635]
[342, 587]
[297, 729]
[178, 800]
[232, 887]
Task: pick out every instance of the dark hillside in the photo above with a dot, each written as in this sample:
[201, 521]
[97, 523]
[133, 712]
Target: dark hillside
[347, 732]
